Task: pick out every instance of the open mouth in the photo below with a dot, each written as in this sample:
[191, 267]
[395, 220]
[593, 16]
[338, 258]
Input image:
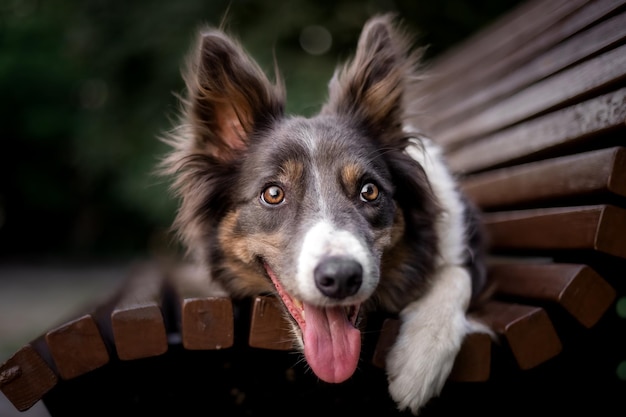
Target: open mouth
[332, 343]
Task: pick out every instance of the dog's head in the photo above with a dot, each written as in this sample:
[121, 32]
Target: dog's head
[327, 212]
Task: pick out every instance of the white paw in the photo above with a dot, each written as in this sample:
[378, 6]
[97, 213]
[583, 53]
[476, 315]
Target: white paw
[431, 334]
[418, 365]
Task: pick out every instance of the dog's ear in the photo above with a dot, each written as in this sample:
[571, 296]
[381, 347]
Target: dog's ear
[229, 96]
[372, 87]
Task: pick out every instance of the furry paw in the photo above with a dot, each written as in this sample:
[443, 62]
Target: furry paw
[419, 365]
[431, 334]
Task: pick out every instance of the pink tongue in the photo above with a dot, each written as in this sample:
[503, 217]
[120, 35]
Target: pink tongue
[331, 343]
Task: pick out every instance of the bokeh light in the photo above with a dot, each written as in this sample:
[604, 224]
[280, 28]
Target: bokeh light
[316, 40]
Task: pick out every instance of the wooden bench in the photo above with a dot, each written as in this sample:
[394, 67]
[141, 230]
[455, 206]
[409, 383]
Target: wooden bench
[532, 114]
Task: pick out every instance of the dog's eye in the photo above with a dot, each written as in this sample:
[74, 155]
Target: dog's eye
[369, 192]
[273, 195]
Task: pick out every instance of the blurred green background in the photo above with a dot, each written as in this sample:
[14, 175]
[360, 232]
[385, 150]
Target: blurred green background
[86, 87]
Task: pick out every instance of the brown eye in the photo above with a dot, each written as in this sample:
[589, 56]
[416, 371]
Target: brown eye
[273, 195]
[369, 192]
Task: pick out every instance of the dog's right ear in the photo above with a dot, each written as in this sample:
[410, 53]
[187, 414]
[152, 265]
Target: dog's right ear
[229, 96]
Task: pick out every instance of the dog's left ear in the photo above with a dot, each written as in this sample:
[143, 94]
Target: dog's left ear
[372, 87]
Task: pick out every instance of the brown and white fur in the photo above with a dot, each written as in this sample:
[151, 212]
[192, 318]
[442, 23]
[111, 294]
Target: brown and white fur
[339, 214]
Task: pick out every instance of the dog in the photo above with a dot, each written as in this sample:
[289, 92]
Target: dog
[339, 214]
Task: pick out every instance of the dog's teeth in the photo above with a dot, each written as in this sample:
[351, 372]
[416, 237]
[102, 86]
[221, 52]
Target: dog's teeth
[298, 304]
[351, 313]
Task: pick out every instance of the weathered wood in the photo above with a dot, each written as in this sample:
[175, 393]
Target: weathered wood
[77, 347]
[600, 228]
[205, 311]
[25, 377]
[207, 323]
[577, 288]
[489, 87]
[269, 329]
[137, 320]
[543, 96]
[498, 41]
[528, 331]
[552, 131]
[601, 171]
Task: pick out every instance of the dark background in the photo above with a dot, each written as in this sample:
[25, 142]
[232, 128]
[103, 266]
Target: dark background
[86, 87]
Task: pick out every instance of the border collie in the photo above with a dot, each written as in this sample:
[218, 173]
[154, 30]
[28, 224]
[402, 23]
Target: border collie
[346, 212]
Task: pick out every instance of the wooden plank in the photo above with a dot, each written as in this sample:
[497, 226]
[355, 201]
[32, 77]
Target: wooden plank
[462, 104]
[206, 312]
[601, 171]
[564, 87]
[269, 329]
[577, 288]
[207, 323]
[600, 228]
[25, 377]
[527, 330]
[77, 347]
[472, 364]
[564, 127]
[137, 321]
[610, 234]
[476, 78]
[498, 40]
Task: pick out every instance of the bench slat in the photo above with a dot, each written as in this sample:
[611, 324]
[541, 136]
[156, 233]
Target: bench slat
[207, 323]
[598, 228]
[528, 331]
[541, 97]
[25, 377]
[577, 288]
[554, 130]
[448, 111]
[137, 320]
[269, 329]
[601, 171]
[522, 25]
[77, 347]
[473, 363]
[206, 313]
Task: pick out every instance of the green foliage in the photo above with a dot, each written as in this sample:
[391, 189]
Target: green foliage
[87, 87]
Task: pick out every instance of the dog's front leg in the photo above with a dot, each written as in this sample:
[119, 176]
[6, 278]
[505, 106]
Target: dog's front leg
[431, 332]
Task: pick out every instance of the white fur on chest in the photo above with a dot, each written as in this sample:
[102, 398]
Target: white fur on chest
[450, 224]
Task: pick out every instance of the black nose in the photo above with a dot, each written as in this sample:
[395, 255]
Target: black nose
[338, 277]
